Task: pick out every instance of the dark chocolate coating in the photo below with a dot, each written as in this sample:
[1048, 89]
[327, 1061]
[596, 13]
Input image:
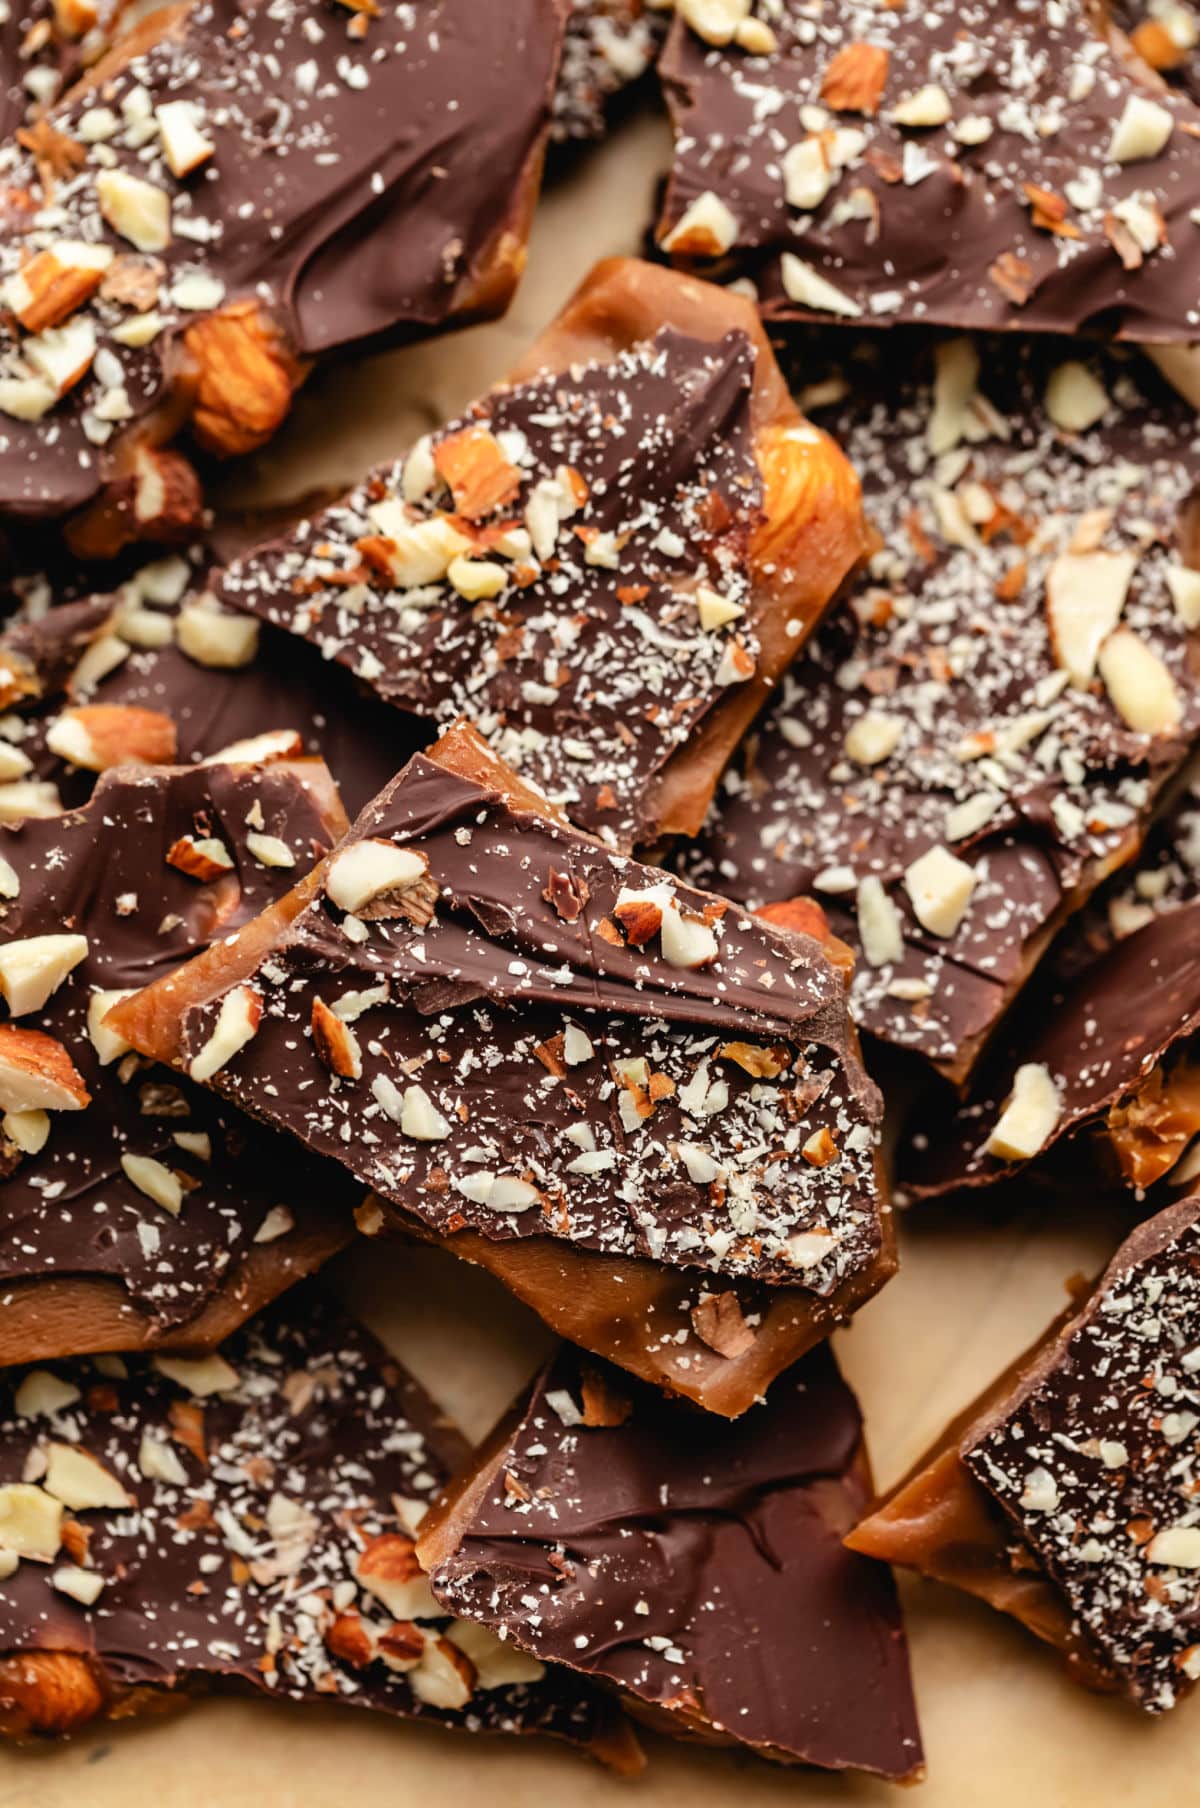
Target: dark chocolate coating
[584, 677]
[918, 224]
[204, 1583]
[697, 1569]
[361, 186]
[952, 640]
[100, 871]
[1094, 1456]
[477, 1001]
[608, 46]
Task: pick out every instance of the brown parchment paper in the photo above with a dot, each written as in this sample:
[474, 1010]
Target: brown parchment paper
[1003, 1728]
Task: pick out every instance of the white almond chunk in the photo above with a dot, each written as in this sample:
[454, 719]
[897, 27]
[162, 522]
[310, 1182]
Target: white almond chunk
[42, 1394]
[973, 814]
[107, 1044]
[138, 331]
[939, 885]
[83, 1585]
[407, 1597]
[10, 883]
[28, 1130]
[1085, 594]
[196, 292]
[155, 1180]
[879, 925]
[706, 229]
[1075, 398]
[686, 941]
[873, 737]
[577, 1047]
[105, 654]
[80, 1481]
[1142, 131]
[159, 1461]
[31, 970]
[476, 579]
[258, 750]
[26, 398]
[1177, 1545]
[810, 289]
[237, 1023]
[716, 21]
[715, 611]
[1029, 1118]
[807, 175]
[420, 1117]
[1184, 586]
[138, 210]
[63, 354]
[1041, 1493]
[216, 637]
[277, 1223]
[420, 472]
[69, 739]
[369, 869]
[421, 552]
[928, 106]
[956, 375]
[269, 850]
[501, 1192]
[30, 1522]
[498, 1663]
[194, 1142]
[184, 145]
[29, 799]
[200, 1375]
[700, 1166]
[443, 1678]
[13, 764]
[1139, 683]
[10, 1563]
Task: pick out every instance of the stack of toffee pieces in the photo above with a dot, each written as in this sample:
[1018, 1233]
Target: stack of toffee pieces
[802, 641]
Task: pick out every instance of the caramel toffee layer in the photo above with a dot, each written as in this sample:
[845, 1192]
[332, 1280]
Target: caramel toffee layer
[1110, 1050]
[518, 1033]
[113, 1167]
[602, 503]
[608, 46]
[993, 166]
[158, 645]
[245, 1520]
[1006, 686]
[699, 1570]
[1067, 1494]
[329, 175]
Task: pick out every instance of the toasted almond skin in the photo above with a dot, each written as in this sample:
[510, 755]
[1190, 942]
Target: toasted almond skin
[391, 1557]
[1155, 45]
[246, 378]
[57, 290]
[805, 916]
[331, 1040]
[814, 521]
[187, 858]
[44, 1059]
[48, 1692]
[348, 1639]
[855, 79]
[157, 496]
[639, 921]
[481, 479]
[123, 731]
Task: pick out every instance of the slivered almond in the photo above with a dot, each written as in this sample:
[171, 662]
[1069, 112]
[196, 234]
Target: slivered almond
[335, 1042]
[99, 735]
[37, 1073]
[1139, 683]
[237, 1023]
[480, 477]
[855, 79]
[201, 857]
[1085, 594]
[55, 283]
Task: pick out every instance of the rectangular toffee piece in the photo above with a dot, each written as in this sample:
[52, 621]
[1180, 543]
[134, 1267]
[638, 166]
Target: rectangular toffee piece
[1066, 1495]
[136, 1208]
[976, 737]
[640, 1107]
[244, 1521]
[1012, 166]
[697, 1569]
[159, 671]
[241, 187]
[605, 565]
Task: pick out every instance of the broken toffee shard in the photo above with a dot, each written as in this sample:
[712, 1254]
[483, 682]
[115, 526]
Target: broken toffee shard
[605, 565]
[976, 736]
[608, 46]
[136, 1208]
[1067, 1494]
[638, 1106]
[696, 1569]
[242, 188]
[245, 1521]
[1011, 169]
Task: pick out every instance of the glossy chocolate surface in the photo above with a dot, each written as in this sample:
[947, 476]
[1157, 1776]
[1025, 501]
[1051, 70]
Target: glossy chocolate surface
[934, 220]
[981, 501]
[698, 1569]
[72, 1208]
